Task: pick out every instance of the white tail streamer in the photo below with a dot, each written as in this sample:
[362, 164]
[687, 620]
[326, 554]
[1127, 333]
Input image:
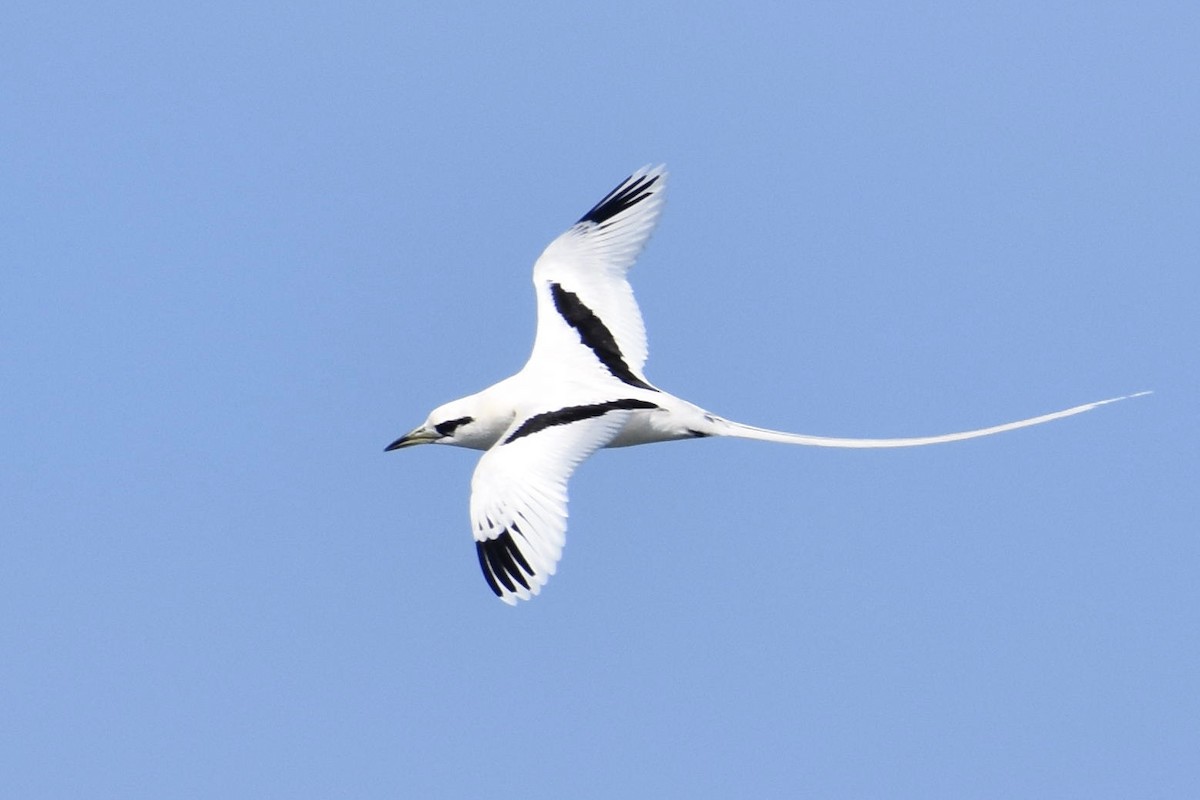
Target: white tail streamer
[750, 432]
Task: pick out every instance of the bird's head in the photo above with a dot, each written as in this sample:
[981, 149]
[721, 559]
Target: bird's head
[463, 423]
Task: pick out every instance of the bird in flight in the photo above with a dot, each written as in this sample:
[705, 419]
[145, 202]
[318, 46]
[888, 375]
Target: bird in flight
[583, 389]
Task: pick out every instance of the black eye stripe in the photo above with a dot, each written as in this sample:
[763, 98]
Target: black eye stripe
[449, 426]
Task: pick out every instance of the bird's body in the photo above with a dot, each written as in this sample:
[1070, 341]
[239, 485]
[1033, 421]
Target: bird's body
[582, 389]
[499, 405]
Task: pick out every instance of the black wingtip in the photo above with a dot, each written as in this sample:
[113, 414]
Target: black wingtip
[481, 551]
[503, 564]
[629, 193]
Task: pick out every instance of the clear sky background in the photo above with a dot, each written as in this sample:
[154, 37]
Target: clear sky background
[245, 246]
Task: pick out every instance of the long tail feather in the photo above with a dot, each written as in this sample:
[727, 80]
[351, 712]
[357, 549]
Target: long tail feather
[749, 432]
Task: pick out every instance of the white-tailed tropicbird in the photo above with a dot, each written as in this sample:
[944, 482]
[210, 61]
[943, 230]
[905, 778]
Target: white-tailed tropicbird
[583, 389]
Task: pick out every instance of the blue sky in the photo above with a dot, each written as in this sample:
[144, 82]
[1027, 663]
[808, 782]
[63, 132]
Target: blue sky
[247, 245]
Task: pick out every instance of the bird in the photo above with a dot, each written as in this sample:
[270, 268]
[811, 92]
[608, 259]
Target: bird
[582, 389]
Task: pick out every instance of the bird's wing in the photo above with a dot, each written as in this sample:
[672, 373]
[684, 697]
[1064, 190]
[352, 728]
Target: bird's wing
[519, 491]
[588, 319]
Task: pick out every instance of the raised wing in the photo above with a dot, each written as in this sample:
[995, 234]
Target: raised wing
[519, 491]
[588, 319]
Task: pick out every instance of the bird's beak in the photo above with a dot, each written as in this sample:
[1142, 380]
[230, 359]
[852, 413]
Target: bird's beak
[421, 435]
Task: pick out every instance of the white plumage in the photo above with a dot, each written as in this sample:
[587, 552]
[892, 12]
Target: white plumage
[582, 389]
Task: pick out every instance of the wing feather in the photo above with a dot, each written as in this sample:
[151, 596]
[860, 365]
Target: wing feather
[519, 501]
[591, 320]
